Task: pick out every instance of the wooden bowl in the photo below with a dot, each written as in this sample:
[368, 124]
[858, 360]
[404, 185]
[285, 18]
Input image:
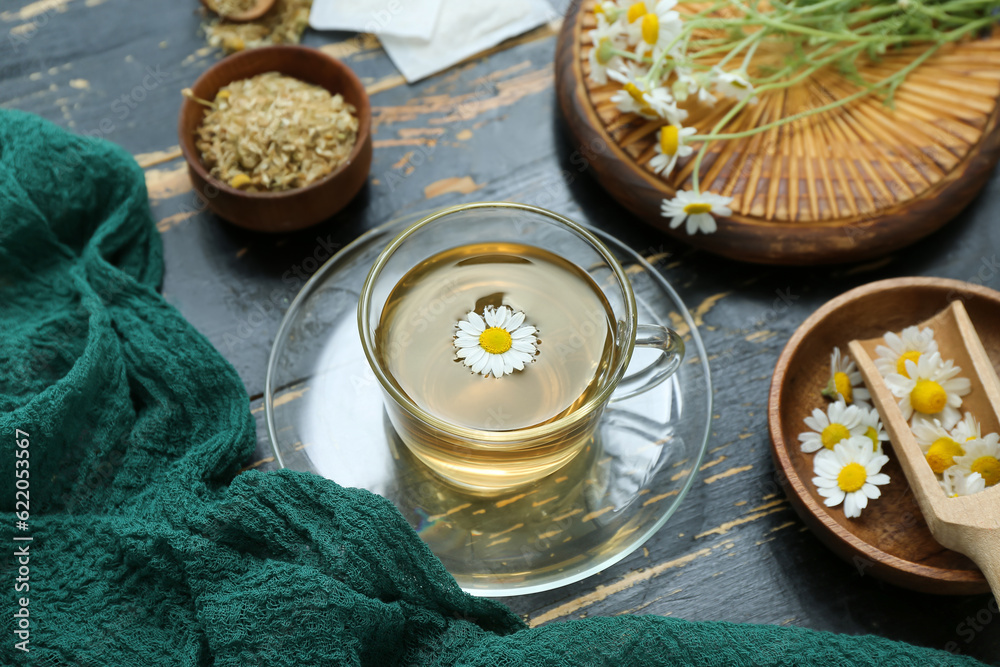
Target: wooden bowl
[291, 209]
[844, 185]
[890, 539]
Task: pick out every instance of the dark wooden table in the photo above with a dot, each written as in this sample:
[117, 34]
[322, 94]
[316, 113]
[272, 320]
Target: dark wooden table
[490, 129]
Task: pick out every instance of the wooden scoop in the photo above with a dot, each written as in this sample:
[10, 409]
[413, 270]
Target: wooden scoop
[967, 524]
[259, 9]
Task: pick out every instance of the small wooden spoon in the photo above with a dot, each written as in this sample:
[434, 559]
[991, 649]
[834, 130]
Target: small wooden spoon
[967, 524]
[262, 7]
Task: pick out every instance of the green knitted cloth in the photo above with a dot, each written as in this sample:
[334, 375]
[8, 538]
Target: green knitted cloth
[146, 547]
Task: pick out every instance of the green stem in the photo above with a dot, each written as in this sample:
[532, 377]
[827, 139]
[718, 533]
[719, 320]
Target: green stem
[715, 136]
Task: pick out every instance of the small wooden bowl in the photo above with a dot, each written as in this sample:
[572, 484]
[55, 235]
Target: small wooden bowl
[890, 539]
[289, 210]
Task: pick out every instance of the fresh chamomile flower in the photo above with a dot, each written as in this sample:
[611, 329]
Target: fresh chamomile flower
[870, 426]
[982, 456]
[910, 344]
[497, 342]
[930, 388]
[838, 423]
[845, 381]
[658, 28]
[937, 444]
[660, 103]
[697, 208]
[632, 96]
[610, 12]
[688, 84]
[850, 474]
[670, 147]
[956, 483]
[967, 429]
[602, 55]
[733, 84]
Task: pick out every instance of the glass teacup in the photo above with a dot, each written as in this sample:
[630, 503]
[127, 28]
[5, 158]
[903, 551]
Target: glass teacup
[488, 459]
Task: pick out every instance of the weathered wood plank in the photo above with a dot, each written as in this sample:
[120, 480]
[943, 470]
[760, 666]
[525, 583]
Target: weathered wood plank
[489, 129]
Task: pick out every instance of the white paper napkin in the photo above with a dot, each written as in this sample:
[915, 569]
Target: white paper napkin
[463, 28]
[400, 18]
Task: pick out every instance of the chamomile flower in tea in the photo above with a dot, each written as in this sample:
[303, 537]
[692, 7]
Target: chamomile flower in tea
[869, 421]
[845, 381]
[850, 474]
[982, 456]
[838, 423]
[909, 344]
[957, 483]
[496, 343]
[930, 388]
[938, 445]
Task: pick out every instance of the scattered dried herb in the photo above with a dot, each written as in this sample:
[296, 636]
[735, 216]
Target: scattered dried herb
[273, 132]
[230, 7]
[283, 24]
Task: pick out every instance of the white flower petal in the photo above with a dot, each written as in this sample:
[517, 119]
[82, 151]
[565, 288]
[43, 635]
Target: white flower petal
[514, 321]
[477, 322]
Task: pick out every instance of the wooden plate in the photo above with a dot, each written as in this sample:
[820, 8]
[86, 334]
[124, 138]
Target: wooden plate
[848, 184]
[891, 539]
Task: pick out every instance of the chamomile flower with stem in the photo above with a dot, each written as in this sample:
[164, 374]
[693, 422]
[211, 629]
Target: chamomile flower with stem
[697, 209]
[670, 147]
[909, 344]
[631, 98]
[870, 425]
[495, 343]
[850, 474]
[838, 423]
[930, 388]
[845, 381]
[982, 456]
[734, 84]
[937, 444]
[957, 483]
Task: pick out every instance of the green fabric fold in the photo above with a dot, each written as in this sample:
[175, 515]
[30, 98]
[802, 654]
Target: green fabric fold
[146, 546]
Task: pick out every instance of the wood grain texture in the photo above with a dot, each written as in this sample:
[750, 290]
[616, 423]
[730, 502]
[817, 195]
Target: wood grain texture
[843, 185]
[969, 524]
[735, 550]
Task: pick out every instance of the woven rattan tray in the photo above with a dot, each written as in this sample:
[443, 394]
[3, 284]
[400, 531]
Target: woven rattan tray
[844, 185]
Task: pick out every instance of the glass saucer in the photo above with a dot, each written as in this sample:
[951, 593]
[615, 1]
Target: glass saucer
[325, 415]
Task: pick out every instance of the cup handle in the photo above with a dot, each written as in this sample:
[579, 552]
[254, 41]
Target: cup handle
[671, 346]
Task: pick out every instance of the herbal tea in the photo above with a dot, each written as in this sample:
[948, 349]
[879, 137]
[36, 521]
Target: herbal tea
[535, 347]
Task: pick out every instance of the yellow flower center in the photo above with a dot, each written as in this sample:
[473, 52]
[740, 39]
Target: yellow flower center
[495, 340]
[670, 139]
[843, 385]
[636, 11]
[852, 477]
[650, 28]
[928, 397]
[634, 91]
[912, 355]
[599, 8]
[694, 209]
[941, 454]
[604, 51]
[988, 468]
[873, 436]
[833, 434]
